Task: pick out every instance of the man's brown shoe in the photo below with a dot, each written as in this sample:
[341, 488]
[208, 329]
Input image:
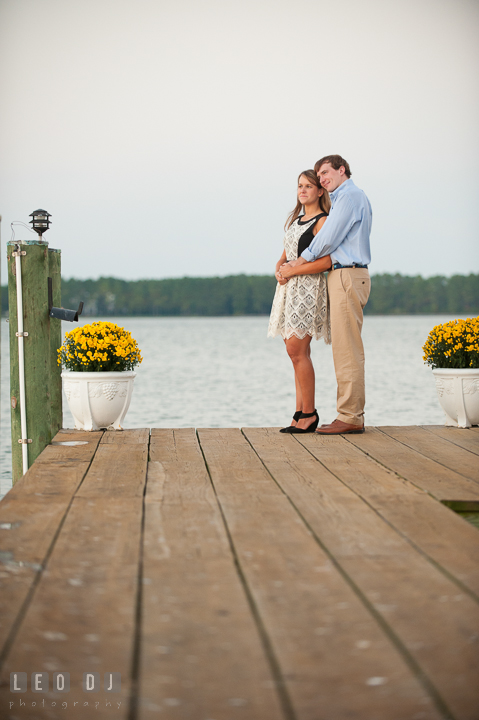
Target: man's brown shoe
[338, 427]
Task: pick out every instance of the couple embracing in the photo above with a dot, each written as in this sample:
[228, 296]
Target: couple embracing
[328, 230]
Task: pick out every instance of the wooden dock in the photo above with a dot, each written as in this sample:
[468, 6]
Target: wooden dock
[244, 574]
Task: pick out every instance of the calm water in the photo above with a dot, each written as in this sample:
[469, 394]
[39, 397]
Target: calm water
[224, 372]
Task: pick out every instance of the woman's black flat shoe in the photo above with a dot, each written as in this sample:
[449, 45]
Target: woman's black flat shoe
[296, 417]
[311, 428]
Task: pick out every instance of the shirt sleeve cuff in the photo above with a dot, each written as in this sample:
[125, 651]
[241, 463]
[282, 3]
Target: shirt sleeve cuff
[307, 255]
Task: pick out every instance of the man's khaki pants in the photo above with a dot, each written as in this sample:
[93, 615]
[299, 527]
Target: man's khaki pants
[348, 290]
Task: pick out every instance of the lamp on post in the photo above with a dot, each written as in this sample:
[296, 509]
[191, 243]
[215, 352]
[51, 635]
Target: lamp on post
[40, 221]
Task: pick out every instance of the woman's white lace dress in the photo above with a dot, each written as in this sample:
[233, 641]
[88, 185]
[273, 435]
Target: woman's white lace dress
[301, 306]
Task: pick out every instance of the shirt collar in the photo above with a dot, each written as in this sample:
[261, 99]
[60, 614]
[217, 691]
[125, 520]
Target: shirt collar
[342, 188]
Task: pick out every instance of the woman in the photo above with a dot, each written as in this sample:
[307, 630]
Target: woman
[300, 306]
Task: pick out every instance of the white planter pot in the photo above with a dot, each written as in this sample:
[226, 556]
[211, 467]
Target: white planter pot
[98, 399]
[458, 392]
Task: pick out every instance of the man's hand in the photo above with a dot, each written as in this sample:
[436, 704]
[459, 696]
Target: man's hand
[287, 269]
[282, 280]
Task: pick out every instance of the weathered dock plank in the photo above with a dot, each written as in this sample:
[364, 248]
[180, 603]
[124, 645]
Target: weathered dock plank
[335, 658]
[82, 615]
[465, 438]
[441, 534]
[58, 469]
[201, 654]
[439, 481]
[116, 472]
[396, 581]
[245, 575]
[30, 516]
[139, 436]
[436, 449]
[22, 554]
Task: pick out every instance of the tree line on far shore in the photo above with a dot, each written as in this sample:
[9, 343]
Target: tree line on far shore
[253, 295]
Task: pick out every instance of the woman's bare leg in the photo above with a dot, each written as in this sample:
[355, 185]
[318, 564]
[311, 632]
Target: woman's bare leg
[299, 397]
[300, 353]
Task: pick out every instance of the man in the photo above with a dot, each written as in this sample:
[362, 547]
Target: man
[344, 236]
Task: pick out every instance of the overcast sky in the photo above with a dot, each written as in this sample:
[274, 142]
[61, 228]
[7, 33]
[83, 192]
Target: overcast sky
[165, 138]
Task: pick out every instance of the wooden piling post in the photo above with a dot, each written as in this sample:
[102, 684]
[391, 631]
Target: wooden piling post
[42, 380]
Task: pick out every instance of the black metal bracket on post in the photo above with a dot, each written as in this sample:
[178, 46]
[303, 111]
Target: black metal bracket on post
[61, 313]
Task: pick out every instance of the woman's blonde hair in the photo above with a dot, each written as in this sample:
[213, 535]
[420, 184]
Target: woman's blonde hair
[324, 201]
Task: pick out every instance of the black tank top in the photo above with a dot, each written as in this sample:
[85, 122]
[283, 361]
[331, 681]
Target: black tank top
[307, 237]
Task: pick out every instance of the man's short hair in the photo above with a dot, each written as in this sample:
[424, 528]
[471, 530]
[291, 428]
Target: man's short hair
[336, 162]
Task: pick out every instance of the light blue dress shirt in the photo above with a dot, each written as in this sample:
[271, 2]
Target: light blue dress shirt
[345, 234]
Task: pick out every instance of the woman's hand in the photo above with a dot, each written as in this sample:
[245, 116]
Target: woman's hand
[287, 270]
[281, 280]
